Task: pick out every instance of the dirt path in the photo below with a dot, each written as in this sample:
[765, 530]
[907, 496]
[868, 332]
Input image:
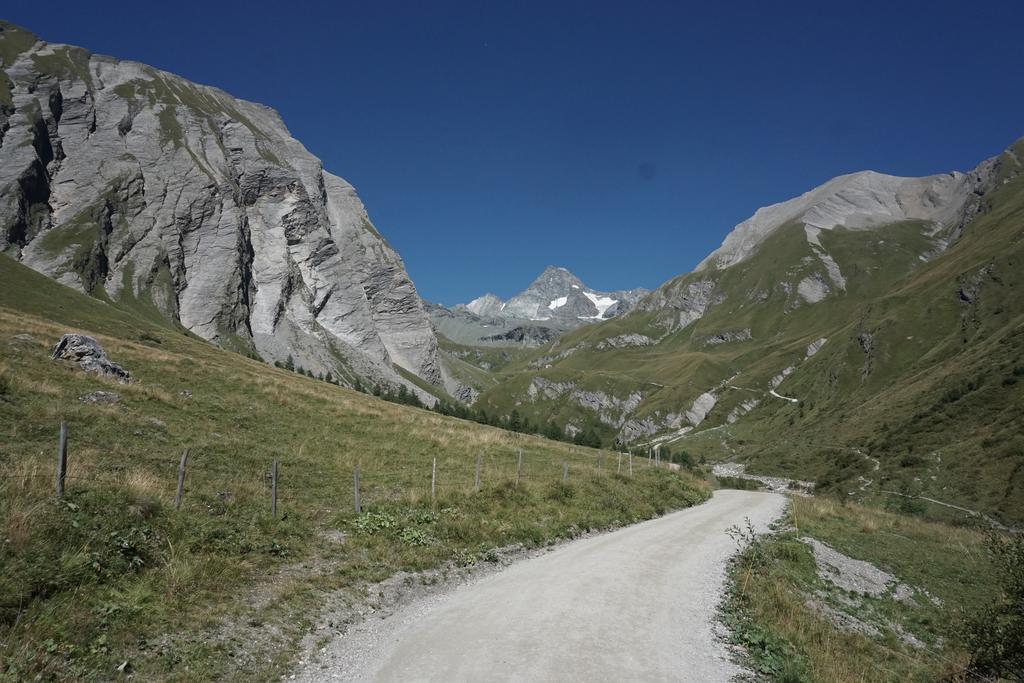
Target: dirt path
[635, 604]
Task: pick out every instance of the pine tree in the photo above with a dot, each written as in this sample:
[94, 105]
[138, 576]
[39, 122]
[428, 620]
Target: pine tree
[290, 363]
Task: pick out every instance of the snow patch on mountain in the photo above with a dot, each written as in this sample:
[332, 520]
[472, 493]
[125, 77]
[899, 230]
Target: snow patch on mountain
[558, 303]
[603, 303]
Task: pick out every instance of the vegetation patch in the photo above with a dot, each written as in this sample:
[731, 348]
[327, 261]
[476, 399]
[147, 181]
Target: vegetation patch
[797, 624]
[114, 578]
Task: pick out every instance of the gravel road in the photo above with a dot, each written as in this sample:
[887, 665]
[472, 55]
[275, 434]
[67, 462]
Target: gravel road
[635, 604]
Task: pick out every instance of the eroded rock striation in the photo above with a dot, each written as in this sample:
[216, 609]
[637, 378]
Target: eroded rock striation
[128, 182]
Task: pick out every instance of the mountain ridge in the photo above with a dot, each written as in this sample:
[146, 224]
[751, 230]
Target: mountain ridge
[556, 294]
[836, 328]
[554, 302]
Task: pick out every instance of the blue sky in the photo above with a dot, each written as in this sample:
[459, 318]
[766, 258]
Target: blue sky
[621, 140]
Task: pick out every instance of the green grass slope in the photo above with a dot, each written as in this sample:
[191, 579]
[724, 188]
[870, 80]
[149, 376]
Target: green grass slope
[918, 389]
[112, 580]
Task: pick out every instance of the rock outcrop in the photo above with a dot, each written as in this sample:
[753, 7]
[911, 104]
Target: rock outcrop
[132, 183]
[90, 357]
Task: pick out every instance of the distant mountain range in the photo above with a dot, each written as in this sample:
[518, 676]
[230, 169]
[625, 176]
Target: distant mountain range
[553, 303]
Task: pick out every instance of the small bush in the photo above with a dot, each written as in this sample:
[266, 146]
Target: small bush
[370, 523]
[994, 635]
[737, 483]
[414, 536]
[6, 387]
[911, 460]
[561, 492]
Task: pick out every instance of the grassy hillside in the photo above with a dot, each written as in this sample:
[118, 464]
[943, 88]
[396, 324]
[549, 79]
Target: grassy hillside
[917, 390]
[112, 580]
[783, 611]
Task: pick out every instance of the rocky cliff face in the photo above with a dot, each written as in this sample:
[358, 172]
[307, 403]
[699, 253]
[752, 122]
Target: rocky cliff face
[139, 186]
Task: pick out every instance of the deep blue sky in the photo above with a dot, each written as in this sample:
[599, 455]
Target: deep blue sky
[619, 139]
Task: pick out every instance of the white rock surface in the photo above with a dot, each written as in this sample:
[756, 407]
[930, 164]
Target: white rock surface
[815, 346]
[116, 177]
[857, 201]
[701, 407]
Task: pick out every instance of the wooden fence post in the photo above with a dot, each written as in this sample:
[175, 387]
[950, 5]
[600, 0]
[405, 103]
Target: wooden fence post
[62, 458]
[433, 481]
[600, 460]
[565, 473]
[519, 467]
[476, 479]
[273, 488]
[631, 463]
[618, 467]
[355, 486]
[181, 480]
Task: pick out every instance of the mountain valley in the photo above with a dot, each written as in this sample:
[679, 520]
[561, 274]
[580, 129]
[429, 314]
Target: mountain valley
[271, 449]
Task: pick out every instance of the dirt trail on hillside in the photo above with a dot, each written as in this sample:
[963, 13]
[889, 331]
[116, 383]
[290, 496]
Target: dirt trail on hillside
[635, 604]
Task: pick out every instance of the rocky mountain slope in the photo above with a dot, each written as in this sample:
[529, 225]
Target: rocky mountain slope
[554, 302]
[870, 330]
[149, 191]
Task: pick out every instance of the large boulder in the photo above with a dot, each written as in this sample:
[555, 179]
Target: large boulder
[90, 356]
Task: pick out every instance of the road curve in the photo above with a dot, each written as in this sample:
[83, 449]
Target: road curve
[635, 604]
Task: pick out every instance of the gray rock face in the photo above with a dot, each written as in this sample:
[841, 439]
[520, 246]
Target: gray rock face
[625, 340]
[90, 356]
[486, 306]
[120, 179]
[857, 201]
[688, 300]
[728, 337]
[610, 410]
[101, 398]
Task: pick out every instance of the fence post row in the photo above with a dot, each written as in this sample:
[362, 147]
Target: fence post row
[273, 488]
[355, 486]
[62, 458]
[181, 480]
[62, 455]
